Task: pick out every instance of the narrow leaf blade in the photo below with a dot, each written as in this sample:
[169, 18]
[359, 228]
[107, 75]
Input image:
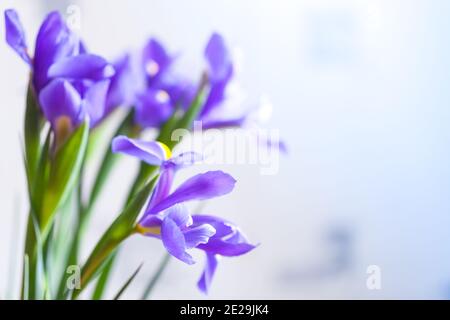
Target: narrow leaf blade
[127, 283]
[64, 172]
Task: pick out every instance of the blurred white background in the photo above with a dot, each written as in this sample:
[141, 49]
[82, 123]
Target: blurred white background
[361, 96]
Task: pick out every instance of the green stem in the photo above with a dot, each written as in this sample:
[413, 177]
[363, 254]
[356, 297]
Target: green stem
[122, 227]
[29, 269]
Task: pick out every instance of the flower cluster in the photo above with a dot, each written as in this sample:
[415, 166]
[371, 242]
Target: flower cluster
[74, 91]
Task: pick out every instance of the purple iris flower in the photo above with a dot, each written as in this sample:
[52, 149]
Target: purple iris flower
[215, 113]
[167, 218]
[153, 104]
[164, 90]
[156, 62]
[69, 82]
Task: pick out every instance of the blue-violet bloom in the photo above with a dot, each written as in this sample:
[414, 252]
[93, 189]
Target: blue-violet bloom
[167, 218]
[70, 83]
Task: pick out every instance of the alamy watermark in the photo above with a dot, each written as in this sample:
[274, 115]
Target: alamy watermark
[373, 281]
[255, 146]
[73, 19]
[73, 281]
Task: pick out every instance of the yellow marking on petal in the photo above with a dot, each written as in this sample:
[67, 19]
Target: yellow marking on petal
[148, 230]
[166, 149]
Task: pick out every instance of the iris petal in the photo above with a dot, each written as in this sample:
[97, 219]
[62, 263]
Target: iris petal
[156, 59]
[172, 235]
[151, 152]
[228, 241]
[152, 108]
[15, 35]
[220, 72]
[227, 249]
[82, 66]
[54, 41]
[124, 84]
[180, 215]
[208, 273]
[218, 58]
[198, 235]
[94, 101]
[163, 187]
[199, 187]
[60, 98]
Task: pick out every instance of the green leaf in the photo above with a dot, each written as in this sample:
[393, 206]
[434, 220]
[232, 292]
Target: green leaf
[36, 190]
[104, 276]
[32, 130]
[38, 186]
[42, 284]
[127, 283]
[119, 230]
[64, 171]
[63, 237]
[26, 277]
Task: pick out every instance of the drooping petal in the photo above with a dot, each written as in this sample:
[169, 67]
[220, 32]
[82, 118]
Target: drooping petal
[172, 235]
[204, 283]
[195, 236]
[82, 66]
[151, 152]
[218, 58]
[94, 101]
[59, 98]
[15, 35]
[54, 41]
[199, 187]
[152, 108]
